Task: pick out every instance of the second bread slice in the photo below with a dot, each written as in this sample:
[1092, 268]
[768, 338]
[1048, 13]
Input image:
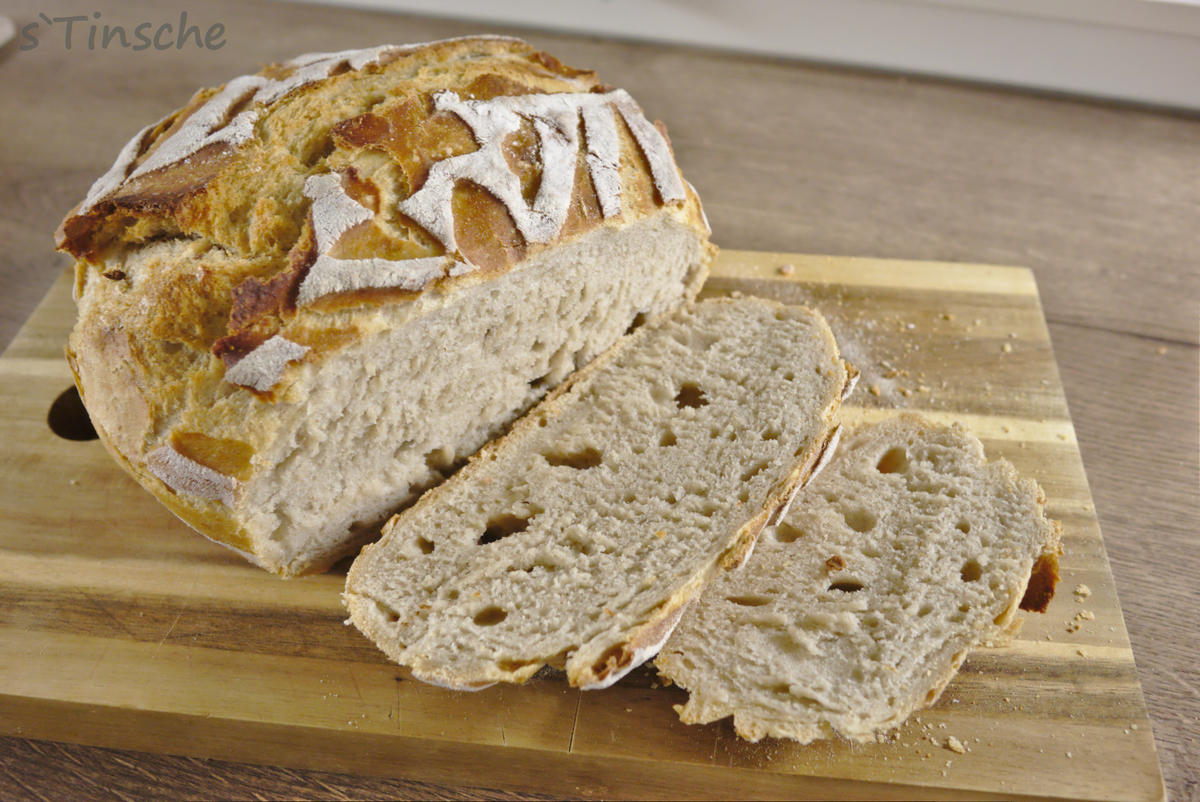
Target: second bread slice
[908, 551]
[578, 538]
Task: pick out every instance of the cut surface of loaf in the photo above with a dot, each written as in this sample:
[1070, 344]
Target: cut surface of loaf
[578, 538]
[309, 294]
[857, 609]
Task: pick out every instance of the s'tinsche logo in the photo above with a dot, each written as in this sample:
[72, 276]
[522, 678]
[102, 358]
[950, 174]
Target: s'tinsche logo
[78, 30]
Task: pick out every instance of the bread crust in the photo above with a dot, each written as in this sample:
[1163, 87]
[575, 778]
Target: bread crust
[188, 270]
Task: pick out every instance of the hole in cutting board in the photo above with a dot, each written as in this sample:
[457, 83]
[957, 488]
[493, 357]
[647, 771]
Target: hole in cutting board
[69, 419]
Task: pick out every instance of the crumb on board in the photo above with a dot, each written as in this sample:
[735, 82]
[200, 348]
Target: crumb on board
[1006, 348]
[1082, 591]
[1162, 349]
[1076, 623]
[736, 294]
[955, 745]
[786, 270]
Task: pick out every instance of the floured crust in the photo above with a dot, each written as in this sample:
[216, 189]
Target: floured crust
[276, 220]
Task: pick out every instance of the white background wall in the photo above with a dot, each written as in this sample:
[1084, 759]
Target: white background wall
[1142, 50]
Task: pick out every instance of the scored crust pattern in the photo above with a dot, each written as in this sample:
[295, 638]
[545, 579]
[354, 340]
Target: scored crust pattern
[211, 124]
[556, 119]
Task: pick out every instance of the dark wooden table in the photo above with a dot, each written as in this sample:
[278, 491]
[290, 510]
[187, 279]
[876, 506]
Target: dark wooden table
[1102, 201]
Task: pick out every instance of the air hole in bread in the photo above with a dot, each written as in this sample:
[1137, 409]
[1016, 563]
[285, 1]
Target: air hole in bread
[964, 527]
[501, 527]
[749, 601]
[668, 439]
[789, 376]
[672, 498]
[439, 459]
[714, 433]
[637, 321]
[771, 433]
[755, 470]
[690, 395]
[744, 495]
[925, 610]
[69, 419]
[579, 460]
[786, 533]
[629, 498]
[425, 545]
[894, 460]
[490, 616]
[847, 586]
[971, 571]
[513, 665]
[389, 615]
[452, 594]
[860, 520]
[540, 382]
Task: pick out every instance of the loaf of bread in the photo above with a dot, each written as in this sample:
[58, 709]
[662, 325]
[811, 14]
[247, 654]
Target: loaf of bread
[578, 538]
[309, 294]
[858, 608]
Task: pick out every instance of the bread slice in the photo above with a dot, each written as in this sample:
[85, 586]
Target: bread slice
[857, 609]
[577, 539]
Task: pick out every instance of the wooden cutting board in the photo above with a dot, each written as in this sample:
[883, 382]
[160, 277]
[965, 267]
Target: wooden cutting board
[120, 627]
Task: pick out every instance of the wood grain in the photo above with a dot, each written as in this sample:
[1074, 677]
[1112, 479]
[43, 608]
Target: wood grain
[121, 628]
[1100, 200]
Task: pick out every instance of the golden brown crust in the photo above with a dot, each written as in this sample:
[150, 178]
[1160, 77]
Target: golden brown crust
[1042, 581]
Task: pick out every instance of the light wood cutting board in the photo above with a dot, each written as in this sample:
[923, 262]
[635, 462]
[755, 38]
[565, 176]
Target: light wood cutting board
[120, 627]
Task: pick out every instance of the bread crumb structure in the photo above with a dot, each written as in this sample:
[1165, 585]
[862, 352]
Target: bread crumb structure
[309, 294]
[937, 549]
[578, 539]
